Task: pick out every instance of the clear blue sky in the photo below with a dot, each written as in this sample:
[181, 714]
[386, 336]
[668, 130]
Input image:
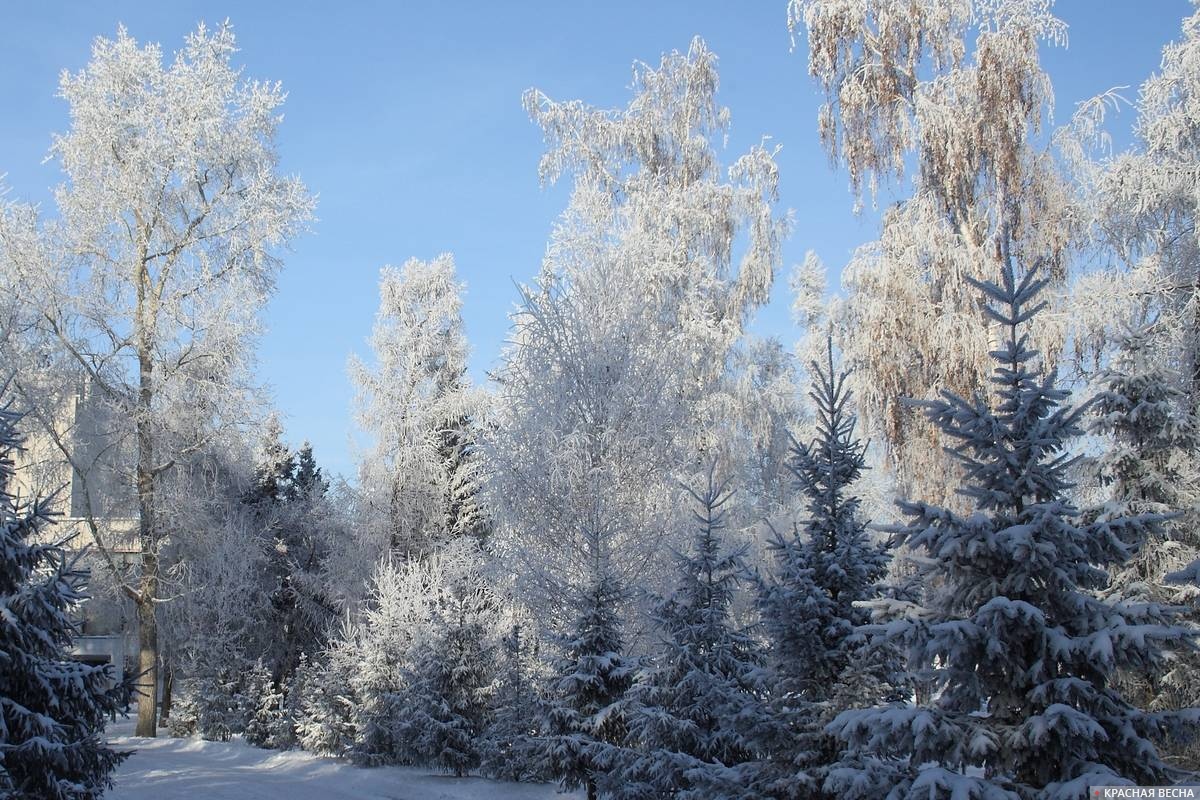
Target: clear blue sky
[406, 119]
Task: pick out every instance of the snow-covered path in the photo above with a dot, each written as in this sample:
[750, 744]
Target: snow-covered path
[191, 769]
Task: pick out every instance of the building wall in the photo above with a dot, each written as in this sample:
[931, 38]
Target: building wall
[104, 487]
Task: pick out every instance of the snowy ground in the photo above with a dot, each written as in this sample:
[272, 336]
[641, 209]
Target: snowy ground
[175, 769]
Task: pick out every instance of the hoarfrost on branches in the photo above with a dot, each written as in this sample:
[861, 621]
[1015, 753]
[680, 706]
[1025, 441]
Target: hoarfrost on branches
[615, 385]
[420, 474]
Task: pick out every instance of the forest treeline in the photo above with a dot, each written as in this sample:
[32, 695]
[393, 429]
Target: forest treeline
[944, 547]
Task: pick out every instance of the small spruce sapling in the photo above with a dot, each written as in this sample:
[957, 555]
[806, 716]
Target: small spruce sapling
[585, 711]
[509, 750]
[442, 712]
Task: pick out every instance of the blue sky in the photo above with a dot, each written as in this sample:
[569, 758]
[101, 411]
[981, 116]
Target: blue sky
[406, 119]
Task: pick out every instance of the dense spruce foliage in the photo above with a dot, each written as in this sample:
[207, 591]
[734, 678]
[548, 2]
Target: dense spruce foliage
[692, 713]
[811, 604]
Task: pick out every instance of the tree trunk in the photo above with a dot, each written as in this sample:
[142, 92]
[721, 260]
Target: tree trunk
[168, 685]
[147, 682]
[147, 604]
[1194, 350]
[147, 607]
[591, 789]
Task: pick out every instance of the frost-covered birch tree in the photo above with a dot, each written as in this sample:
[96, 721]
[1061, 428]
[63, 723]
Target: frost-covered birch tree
[420, 474]
[1145, 203]
[170, 221]
[612, 386]
[954, 90]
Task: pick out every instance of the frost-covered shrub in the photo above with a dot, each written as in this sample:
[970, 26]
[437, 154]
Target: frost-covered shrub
[184, 719]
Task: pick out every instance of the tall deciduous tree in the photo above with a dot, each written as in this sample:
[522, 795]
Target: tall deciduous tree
[170, 217]
[611, 389]
[1145, 207]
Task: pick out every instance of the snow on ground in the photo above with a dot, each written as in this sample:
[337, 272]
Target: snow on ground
[175, 769]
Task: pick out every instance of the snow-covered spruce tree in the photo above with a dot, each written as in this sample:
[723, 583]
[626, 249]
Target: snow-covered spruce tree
[509, 750]
[274, 466]
[443, 709]
[458, 453]
[1020, 651]
[289, 507]
[258, 689]
[182, 722]
[1150, 466]
[302, 599]
[267, 722]
[220, 702]
[421, 474]
[52, 709]
[376, 651]
[817, 668]
[287, 734]
[585, 719]
[693, 716]
[325, 723]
